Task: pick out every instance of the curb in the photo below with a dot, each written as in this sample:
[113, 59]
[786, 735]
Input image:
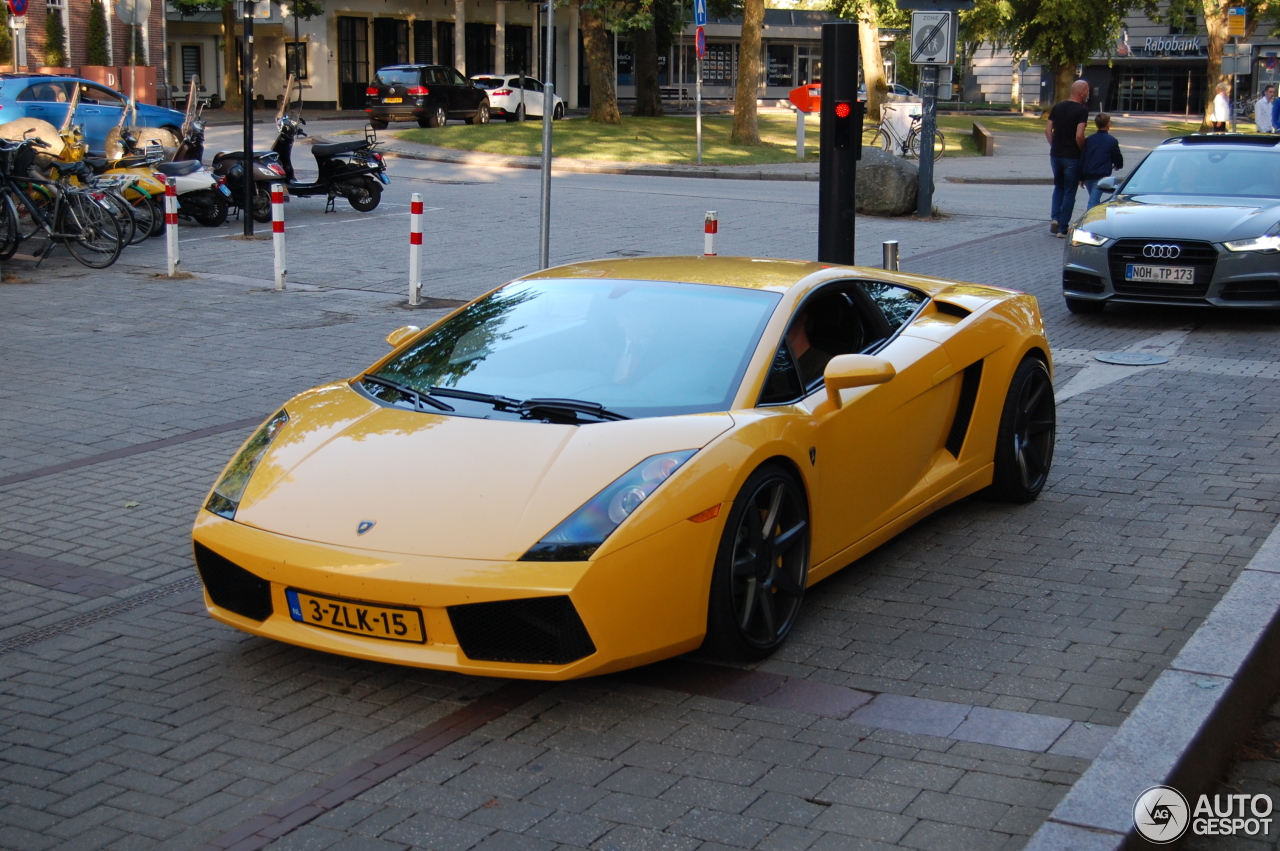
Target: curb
[1184, 730]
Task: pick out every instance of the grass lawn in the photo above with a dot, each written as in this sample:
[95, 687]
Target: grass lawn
[1183, 128]
[995, 123]
[645, 140]
[663, 141]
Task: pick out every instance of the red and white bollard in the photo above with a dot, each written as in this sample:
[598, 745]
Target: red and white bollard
[277, 232]
[710, 229]
[171, 224]
[415, 249]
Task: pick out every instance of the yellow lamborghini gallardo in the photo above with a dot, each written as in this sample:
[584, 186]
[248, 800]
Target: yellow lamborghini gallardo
[609, 463]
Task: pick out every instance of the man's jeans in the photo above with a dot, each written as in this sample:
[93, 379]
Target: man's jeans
[1066, 178]
[1095, 194]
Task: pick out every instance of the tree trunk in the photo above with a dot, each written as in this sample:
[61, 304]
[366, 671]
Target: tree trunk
[746, 127]
[1215, 24]
[1064, 74]
[230, 57]
[648, 95]
[872, 61]
[604, 98]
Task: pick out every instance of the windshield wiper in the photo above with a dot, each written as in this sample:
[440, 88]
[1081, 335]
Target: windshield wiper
[538, 407]
[502, 403]
[419, 399]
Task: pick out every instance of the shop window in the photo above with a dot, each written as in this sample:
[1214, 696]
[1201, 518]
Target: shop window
[717, 67]
[780, 68]
[626, 63]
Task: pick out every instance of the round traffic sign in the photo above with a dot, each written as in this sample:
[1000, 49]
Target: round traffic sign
[701, 42]
[18, 7]
[133, 12]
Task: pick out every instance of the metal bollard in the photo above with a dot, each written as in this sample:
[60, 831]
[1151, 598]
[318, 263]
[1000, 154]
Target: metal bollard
[799, 134]
[415, 249]
[277, 233]
[171, 224]
[890, 255]
[710, 228]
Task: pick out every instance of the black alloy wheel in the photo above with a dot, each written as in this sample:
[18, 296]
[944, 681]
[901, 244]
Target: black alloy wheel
[438, 117]
[209, 208]
[558, 112]
[1028, 429]
[761, 569]
[519, 114]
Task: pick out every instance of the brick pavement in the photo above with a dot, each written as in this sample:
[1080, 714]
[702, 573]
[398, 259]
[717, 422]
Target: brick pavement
[152, 726]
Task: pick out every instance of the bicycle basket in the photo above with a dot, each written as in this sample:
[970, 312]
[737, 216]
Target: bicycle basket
[18, 160]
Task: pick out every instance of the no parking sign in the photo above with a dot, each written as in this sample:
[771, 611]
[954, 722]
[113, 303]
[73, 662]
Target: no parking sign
[18, 7]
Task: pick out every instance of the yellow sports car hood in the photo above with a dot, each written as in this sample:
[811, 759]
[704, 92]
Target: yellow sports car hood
[447, 486]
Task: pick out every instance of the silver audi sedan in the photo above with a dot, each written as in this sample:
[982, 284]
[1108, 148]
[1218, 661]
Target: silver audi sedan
[1197, 222]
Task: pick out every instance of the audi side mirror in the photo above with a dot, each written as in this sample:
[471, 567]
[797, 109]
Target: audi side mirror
[1108, 184]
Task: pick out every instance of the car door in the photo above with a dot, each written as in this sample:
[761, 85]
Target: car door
[532, 97]
[46, 100]
[873, 452]
[464, 95]
[99, 111]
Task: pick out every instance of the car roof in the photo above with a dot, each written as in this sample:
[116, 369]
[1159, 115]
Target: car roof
[410, 67]
[1238, 140]
[748, 273]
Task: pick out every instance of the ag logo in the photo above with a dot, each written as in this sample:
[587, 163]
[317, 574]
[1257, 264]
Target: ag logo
[365, 526]
[1160, 814]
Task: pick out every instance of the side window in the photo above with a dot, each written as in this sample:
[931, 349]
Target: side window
[100, 96]
[783, 383]
[532, 85]
[44, 93]
[897, 303]
[458, 79]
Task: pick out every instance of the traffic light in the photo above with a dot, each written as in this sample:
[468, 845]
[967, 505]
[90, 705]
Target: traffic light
[840, 142]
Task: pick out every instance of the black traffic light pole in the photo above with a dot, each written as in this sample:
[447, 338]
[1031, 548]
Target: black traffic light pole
[840, 142]
[246, 90]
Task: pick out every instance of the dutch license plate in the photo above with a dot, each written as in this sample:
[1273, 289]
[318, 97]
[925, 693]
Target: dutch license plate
[1160, 274]
[393, 100]
[388, 622]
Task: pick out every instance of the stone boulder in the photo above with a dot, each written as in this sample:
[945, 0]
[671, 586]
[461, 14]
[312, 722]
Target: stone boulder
[887, 184]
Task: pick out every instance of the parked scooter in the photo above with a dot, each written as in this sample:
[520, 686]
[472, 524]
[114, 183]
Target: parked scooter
[352, 170]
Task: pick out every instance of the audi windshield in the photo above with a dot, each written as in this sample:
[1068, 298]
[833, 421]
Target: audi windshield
[1208, 170]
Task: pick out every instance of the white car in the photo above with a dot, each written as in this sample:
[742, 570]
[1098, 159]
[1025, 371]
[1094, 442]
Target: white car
[508, 100]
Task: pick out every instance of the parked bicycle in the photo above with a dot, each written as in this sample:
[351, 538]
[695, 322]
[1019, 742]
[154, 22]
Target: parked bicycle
[81, 219]
[890, 138]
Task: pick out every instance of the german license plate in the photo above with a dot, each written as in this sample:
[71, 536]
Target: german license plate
[393, 100]
[1160, 274]
[389, 622]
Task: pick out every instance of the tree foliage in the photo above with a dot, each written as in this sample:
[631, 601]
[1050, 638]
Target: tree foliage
[55, 39]
[871, 15]
[6, 37]
[1059, 33]
[96, 34]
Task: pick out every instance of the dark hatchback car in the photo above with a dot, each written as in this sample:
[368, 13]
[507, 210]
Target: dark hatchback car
[428, 94]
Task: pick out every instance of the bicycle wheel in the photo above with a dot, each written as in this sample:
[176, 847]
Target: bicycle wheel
[89, 231]
[8, 228]
[886, 140]
[34, 204]
[124, 218]
[913, 145]
[939, 145]
[144, 217]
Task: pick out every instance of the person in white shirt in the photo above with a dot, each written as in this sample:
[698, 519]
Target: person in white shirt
[1221, 112]
[1262, 110]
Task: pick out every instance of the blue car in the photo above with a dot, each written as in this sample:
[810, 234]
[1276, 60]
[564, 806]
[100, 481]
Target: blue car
[47, 97]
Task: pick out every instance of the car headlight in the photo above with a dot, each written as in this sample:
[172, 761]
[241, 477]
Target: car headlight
[1084, 237]
[1267, 244]
[583, 531]
[225, 498]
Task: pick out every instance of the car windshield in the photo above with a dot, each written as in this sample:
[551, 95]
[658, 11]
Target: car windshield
[488, 82]
[396, 77]
[638, 348]
[1207, 170]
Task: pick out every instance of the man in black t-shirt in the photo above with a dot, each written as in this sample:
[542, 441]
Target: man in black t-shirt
[1065, 132]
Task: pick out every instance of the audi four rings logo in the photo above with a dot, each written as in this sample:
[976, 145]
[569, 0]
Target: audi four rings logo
[1165, 252]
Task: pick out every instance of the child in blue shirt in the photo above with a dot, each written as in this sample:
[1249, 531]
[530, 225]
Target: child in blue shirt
[1098, 158]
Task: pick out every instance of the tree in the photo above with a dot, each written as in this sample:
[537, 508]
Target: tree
[593, 17]
[746, 124]
[870, 14]
[55, 39]
[6, 40]
[653, 28]
[96, 36]
[1258, 13]
[1061, 34]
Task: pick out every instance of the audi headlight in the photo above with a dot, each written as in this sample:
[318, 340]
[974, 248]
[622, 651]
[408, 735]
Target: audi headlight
[583, 531]
[225, 498]
[1084, 237]
[1269, 244]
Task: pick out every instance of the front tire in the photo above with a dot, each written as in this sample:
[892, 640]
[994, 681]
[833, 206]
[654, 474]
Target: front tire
[369, 194]
[481, 115]
[762, 567]
[1028, 427]
[261, 204]
[558, 112]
